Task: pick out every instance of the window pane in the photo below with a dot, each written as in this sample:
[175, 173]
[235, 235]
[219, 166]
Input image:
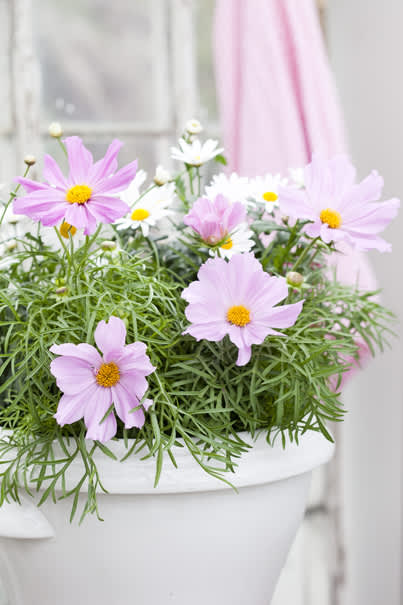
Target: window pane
[96, 59]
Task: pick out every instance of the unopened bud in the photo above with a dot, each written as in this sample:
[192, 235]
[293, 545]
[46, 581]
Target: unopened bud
[161, 176]
[30, 160]
[61, 291]
[193, 127]
[294, 279]
[108, 245]
[55, 130]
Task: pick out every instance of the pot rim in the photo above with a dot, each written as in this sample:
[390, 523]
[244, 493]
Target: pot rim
[263, 463]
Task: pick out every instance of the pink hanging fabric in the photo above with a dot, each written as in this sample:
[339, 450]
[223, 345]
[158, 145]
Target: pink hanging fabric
[276, 93]
[277, 98]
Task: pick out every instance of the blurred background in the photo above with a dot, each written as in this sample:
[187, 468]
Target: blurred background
[275, 79]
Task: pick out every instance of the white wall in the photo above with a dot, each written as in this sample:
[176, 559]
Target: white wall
[366, 47]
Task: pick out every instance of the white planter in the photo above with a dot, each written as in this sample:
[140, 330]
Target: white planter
[191, 541]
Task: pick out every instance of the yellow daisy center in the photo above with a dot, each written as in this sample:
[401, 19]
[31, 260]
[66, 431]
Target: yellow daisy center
[227, 245]
[139, 214]
[66, 228]
[331, 217]
[238, 315]
[108, 374]
[79, 194]
[270, 196]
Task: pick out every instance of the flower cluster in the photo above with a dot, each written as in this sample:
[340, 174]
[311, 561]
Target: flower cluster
[224, 285]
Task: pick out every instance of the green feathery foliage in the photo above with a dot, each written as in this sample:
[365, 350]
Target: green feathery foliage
[202, 400]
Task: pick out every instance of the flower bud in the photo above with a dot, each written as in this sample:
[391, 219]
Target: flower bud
[108, 245]
[161, 176]
[55, 130]
[30, 160]
[193, 127]
[294, 279]
[61, 291]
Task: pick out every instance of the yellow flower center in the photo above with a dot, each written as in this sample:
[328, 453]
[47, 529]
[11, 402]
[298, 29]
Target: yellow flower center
[79, 194]
[139, 214]
[238, 315]
[66, 228]
[270, 196]
[108, 374]
[227, 245]
[331, 217]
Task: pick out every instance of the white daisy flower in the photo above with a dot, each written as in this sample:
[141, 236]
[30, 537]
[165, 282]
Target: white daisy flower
[265, 189]
[238, 241]
[161, 176]
[196, 153]
[193, 127]
[148, 209]
[133, 192]
[235, 188]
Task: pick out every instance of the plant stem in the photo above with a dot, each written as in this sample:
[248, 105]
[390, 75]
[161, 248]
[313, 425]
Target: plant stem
[12, 195]
[304, 254]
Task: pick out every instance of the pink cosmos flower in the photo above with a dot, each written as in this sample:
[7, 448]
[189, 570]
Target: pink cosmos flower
[85, 197]
[339, 209]
[91, 382]
[213, 220]
[237, 298]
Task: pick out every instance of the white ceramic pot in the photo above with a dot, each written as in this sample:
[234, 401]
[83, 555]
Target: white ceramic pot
[191, 541]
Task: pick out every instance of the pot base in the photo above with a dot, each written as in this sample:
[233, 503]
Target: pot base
[220, 548]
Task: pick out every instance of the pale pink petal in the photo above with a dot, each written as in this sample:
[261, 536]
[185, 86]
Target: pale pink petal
[138, 418]
[52, 217]
[72, 407]
[118, 182]
[268, 292]
[202, 313]
[91, 222]
[110, 336]
[125, 402]
[107, 209]
[214, 331]
[80, 161]
[77, 215]
[318, 180]
[313, 229]
[282, 317]
[368, 190]
[134, 383]
[83, 351]
[30, 185]
[294, 202]
[371, 218]
[244, 355]
[72, 374]
[107, 165]
[133, 357]
[38, 202]
[343, 176]
[53, 174]
[95, 410]
[369, 242]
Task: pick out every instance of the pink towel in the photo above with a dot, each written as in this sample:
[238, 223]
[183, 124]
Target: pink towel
[277, 97]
